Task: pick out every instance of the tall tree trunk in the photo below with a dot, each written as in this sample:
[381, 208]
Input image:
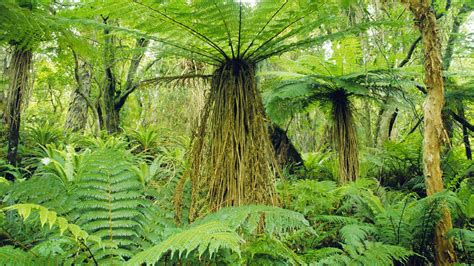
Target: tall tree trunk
[78, 108]
[111, 115]
[17, 91]
[447, 60]
[434, 132]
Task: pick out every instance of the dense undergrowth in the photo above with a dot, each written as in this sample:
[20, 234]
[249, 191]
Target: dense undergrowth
[109, 200]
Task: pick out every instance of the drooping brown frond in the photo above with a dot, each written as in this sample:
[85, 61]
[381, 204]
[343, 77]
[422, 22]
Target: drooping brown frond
[232, 162]
[344, 136]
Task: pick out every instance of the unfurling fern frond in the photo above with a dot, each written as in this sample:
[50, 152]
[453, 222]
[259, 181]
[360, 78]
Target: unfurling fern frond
[110, 203]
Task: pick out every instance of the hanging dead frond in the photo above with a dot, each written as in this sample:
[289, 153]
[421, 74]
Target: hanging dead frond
[344, 136]
[232, 162]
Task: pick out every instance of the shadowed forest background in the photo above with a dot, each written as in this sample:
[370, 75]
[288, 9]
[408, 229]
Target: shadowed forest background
[256, 132]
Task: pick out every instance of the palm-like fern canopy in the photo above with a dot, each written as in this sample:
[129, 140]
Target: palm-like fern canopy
[216, 31]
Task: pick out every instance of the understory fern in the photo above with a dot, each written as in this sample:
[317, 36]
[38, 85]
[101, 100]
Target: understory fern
[110, 203]
[362, 224]
[226, 230]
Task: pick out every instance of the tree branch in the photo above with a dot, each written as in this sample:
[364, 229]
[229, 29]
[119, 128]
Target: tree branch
[130, 83]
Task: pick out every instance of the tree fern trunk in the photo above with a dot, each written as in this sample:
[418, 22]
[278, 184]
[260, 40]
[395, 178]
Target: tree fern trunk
[77, 113]
[344, 136]
[17, 91]
[232, 160]
[434, 132]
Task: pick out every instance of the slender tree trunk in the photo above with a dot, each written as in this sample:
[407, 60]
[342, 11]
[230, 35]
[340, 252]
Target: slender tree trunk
[433, 125]
[18, 89]
[78, 108]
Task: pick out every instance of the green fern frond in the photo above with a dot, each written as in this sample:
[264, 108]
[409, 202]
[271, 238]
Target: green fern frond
[355, 234]
[51, 218]
[205, 237]
[274, 248]
[275, 220]
[11, 256]
[110, 203]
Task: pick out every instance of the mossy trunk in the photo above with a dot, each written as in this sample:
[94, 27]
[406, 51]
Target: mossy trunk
[76, 118]
[232, 161]
[17, 92]
[344, 136]
[110, 114]
[434, 132]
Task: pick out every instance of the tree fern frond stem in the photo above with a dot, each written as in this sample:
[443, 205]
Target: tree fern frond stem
[401, 219]
[88, 250]
[188, 28]
[22, 245]
[240, 29]
[280, 32]
[173, 78]
[264, 26]
[226, 29]
[274, 36]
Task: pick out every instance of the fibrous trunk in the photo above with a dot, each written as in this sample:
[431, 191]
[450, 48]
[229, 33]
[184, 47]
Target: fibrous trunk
[232, 159]
[344, 136]
[17, 91]
[434, 132]
[77, 113]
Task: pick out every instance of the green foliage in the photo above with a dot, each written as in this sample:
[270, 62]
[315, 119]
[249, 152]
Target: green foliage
[206, 237]
[369, 221]
[82, 199]
[269, 250]
[225, 230]
[109, 203]
[50, 217]
[10, 255]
